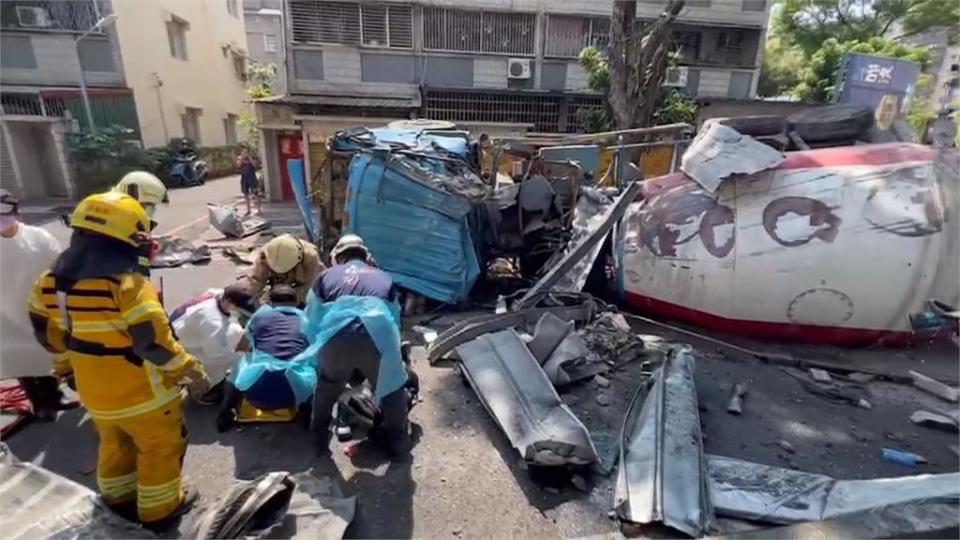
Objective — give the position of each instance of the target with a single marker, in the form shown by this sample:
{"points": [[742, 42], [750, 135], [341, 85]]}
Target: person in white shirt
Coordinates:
{"points": [[25, 253], [208, 327]]}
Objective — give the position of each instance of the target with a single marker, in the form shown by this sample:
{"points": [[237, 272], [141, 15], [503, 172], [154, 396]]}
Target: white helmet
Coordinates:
{"points": [[144, 187], [348, 242], [283, 253]]}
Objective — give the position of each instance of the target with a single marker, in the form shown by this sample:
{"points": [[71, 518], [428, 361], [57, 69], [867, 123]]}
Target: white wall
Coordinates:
{"points": [[206, 80]]}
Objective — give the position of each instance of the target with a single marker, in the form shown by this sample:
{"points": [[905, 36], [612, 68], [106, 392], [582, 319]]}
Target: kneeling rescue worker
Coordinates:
{"points": [[95, 306], [285, 260]]}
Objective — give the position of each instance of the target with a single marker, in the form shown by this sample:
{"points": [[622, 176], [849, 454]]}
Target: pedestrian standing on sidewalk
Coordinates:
{"points": [[248, 179], [25, 253]]}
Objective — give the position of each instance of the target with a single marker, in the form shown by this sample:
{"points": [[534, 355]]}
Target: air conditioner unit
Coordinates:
{"points": [[676, 77], [33, 17], [518, 68]]}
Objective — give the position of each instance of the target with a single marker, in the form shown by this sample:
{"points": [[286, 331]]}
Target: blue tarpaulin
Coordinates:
{"points": [[417, 231]]}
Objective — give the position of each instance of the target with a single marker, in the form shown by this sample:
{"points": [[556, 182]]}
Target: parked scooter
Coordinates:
{"points": [[186, 169]]}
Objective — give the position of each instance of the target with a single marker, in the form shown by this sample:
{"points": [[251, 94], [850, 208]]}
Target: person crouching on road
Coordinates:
{"points": [[208, 327], [285, 260], [353, 314], [149, 191], [278, 370], [128, 367], [25, 253]]}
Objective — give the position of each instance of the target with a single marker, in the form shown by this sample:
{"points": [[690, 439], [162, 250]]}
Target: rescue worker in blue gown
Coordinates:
{"points": [[277, 371], [353, 314]]}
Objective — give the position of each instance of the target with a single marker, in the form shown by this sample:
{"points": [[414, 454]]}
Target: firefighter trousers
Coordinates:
{"points": [[140, 458]]}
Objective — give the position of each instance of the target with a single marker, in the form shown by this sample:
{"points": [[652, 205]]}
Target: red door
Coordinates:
{"points": [[290, 148]]}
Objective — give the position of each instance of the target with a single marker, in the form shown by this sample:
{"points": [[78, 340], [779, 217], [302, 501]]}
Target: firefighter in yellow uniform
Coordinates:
{"points": [[128, 366]]}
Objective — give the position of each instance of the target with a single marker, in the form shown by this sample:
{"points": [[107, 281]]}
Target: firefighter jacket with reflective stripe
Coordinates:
{"points": [[125, 358]]}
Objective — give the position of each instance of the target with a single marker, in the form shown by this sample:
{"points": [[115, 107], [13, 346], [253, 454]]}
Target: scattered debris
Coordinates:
{"points": [[893, 436], [517, 393], [303, 506], [787, 447], [237, 257], [655, 484], [902, 458], [572, 361], [588, 216], [427, 335], [611, 338], [864, 404], [547, 335], [173, 252], [834, 391], [557, 272], [861, 378], [226, 220], [744, 490], [820, 375], [935, 387], [602, 381], [935, 421], [736, 400], [603, 400], [469, 329], [580, 483], [66, 510]]}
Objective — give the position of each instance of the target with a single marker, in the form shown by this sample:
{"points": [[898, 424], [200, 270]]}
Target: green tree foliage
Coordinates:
{"points": [[673, 105], [818, 79], [921, 111], [260, 79], [782, 65], [809, 23]]}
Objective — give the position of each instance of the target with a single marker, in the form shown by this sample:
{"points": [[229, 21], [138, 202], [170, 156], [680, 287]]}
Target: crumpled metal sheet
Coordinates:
{"points": [[469, 329], [547, 335], [662, 477], [419, 233], [572, 361], [37, 503], [741, 489], [175, 252], [581, 248], [226, 220], [588, 216], [719, 151], [517, 393]]}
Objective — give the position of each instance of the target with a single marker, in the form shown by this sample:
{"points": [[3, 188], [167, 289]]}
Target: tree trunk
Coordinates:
{"points": [[637, 62]]}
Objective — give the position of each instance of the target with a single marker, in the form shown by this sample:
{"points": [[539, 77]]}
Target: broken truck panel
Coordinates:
{"points": [[474, 327], [662, 478], [516, 392], [584, 247], [833, 246], [744, 490], [416, 229], [719, 152]]}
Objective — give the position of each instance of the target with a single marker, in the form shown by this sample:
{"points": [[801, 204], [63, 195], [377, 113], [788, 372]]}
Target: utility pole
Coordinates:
{"points": [[83, 80]]}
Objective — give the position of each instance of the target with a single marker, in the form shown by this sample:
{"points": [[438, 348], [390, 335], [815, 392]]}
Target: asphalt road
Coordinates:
{"points": [[464, 479]]}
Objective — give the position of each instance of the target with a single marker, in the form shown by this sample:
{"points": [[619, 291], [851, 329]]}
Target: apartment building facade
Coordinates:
{"points": [[500, 61], [47, 49], [264, 25], [186, 63]]}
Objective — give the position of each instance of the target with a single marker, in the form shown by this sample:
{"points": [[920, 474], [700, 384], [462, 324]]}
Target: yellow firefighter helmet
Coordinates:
{"points": [[283, 253], [111, 214]]}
